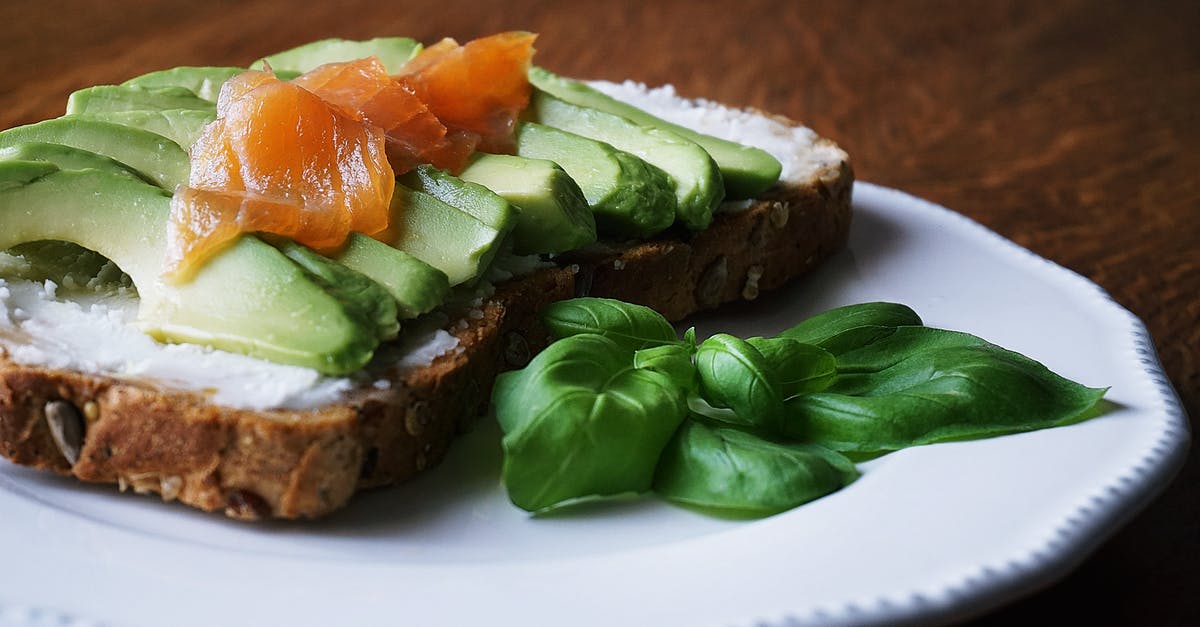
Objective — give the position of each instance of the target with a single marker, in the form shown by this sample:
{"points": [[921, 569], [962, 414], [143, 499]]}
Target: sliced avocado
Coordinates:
{"points": [[182, 126], [442, 236], [553, 215], [15, 174], [73, 267], [629, 197], [68, 158], [153, 156], [104, 98], [393, 52], [370, 301], [416, 286], [747, 171], [485, 205], [204, 82], [249, 298], [698, 185]]}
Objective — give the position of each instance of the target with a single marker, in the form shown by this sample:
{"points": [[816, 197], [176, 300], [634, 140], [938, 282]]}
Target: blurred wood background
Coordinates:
{"points": [[1070, 127]]}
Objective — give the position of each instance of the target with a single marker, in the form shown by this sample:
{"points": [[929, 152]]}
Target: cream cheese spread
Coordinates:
{"points": [[90, 333], [93, 333]]}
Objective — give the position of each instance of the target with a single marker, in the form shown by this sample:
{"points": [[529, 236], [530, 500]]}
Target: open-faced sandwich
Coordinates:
{"points": [[259, 290]]}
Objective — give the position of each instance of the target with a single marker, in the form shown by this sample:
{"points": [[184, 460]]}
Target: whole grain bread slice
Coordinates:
{"points": [[307, 463]]}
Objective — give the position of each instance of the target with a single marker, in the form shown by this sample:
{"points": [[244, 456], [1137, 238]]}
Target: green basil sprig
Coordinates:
{"points": [[825, 325], [580, 420], [735, 375], [919, 385], [632, 326], [846, 328], [740, 474], [672, 360], [797, 368], [756, 422]]}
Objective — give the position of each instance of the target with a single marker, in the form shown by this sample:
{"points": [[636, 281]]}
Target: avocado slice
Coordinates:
{"points": [[747, 171], [480, 202], [105, 98], [393, 52], [203, 81], [153, 156], [698, 184], [72, 267], [16, 174], [553, 215], [441, 235], [629, 197], [182, 126], [416, 286], [371, 302], [249, 298], [68, 158]]}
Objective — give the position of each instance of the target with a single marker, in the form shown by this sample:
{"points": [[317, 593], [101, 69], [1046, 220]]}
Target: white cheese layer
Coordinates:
{"points": [[95, 334]]}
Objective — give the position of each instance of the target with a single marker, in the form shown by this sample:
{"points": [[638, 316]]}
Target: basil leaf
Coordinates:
{"points": [[919, 385], [699, 409], [672, 360], [851, 339], [823, 326], [581, 421], [797, 368], [736, 472], [689, 339], [890, 347], [734, 374], [632, 326]]}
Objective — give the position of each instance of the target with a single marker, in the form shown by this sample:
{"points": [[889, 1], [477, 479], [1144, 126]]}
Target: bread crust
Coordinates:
{"points": [[307, 463]]}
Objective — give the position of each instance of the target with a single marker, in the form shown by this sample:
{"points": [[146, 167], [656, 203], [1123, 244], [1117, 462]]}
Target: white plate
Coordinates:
{"points": [[936, 532]]}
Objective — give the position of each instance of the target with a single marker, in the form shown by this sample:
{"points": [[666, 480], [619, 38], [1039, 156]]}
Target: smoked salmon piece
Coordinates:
{"points": [[315, 159], [480, 87], [278, 159], [363, 89]]}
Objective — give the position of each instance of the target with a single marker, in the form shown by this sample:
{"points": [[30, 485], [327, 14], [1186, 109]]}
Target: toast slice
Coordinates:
{"points": [[285, 463]]}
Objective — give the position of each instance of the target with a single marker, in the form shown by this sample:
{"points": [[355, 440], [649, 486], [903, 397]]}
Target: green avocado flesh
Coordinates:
{"points": [[17, 174], [174, 112], [480, 202], [73, 268], [443, 236], [698, 184], [203, 82], [68, 158], [393, 52], [416, 286], [182, 126], [552, 213], [629, 197], [249, 298], [366, 300], [747, 171], [106, 98], [153, 156]]}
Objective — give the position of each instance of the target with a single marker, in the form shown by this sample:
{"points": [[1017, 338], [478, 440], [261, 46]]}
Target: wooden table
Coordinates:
{"points": [[1070, 127]]}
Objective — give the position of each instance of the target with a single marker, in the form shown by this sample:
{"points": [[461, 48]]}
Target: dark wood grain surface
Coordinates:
{"points": [[1070, 127]]}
